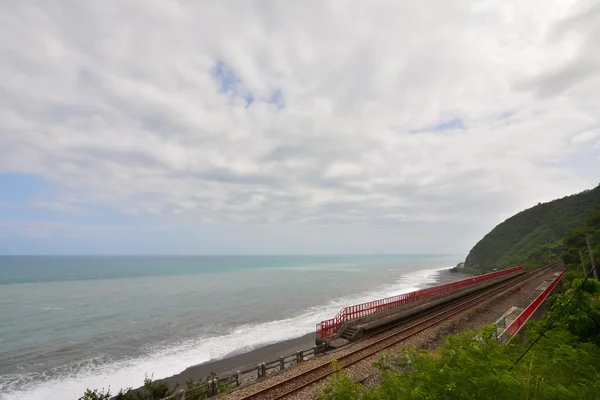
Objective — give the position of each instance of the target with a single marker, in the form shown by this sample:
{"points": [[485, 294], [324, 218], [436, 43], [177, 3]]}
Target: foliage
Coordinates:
{"points": [[96, 395], [583, 317], [574, 242], [227, 388], [152, 390], [342, 388], [157, 390], [535, 236], [196, 394], [473, 365]]}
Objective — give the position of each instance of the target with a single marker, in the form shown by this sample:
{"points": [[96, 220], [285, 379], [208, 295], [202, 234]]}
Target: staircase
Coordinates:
{"points": [[348, 333]]}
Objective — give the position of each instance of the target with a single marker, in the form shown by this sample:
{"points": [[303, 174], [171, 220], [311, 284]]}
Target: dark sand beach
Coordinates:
{"points": [[243, 361]]}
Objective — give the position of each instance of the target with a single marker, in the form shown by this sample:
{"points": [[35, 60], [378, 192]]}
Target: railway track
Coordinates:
{"points": [[381, 341]]}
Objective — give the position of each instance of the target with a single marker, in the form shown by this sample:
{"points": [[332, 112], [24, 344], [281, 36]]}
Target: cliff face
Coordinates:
{"points": [[533, 236]]}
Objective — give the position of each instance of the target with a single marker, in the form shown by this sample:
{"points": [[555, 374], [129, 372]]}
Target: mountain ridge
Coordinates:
{"points": [[533, 236]]}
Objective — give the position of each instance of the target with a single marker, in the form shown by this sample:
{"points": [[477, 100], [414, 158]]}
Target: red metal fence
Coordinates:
{"points": [[520, 321], [328, 328]]}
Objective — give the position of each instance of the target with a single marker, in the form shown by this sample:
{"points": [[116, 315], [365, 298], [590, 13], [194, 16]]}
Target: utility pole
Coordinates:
{"points": [[585, 272], [588, 239]]}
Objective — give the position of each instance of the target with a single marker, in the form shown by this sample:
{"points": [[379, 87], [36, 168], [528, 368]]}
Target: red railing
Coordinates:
{"points": [[328, 328], [520, 321]]}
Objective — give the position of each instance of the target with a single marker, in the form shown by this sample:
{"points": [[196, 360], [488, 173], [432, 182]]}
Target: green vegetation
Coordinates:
{"points": [[151, 390], [538, 235], [197, 394], [564, 363], [574, 241]]}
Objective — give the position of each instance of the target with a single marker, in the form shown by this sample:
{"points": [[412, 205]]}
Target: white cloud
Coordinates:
{"points": [[584, 137], [116, 103], [47, 228], [62, 207]]}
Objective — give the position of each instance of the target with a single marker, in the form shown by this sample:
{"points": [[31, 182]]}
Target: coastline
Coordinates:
{"points": [[242, 361]]}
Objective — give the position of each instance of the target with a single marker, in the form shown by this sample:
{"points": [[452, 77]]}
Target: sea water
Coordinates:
{"points": [[71, 323]]}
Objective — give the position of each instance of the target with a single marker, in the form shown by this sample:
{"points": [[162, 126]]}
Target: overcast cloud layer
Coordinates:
{"points": [[289, 127]]}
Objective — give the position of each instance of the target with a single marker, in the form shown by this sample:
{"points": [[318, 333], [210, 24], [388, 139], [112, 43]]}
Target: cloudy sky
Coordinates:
{"points": [[217, 127]]}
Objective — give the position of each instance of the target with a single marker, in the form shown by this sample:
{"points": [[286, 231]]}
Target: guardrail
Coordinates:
{"points": [[514, 327], [328, 328], [214, 385]]}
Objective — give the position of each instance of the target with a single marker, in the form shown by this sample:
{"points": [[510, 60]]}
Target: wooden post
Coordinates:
{"points": [[238, 379], [181, 394], [299, 357], [281, 363], [262, 370], [210, 388]]}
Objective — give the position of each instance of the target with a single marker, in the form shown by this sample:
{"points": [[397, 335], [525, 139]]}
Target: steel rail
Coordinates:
{"points": [[453, 308]]}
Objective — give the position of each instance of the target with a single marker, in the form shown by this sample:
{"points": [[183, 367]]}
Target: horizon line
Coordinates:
{"points": [[227, 255]]}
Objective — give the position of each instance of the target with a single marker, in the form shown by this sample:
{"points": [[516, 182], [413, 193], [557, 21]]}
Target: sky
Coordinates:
{"points": [[280, 127]]}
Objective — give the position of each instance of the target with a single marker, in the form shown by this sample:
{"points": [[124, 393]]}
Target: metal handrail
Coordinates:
{"points": [[328, 328]]}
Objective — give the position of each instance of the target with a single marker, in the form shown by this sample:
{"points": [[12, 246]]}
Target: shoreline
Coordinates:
{"points": [[243, 361]]}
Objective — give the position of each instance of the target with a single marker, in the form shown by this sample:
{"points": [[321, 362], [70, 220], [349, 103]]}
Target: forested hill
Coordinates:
{"points": [[533, 236]]}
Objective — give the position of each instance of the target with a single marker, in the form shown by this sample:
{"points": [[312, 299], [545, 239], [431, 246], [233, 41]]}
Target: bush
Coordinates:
{"points": [[342, 388], [473, 365], [96, 395], [151, 390]]}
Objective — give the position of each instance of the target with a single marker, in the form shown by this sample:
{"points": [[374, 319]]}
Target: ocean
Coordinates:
{"points": [[71, 323]]}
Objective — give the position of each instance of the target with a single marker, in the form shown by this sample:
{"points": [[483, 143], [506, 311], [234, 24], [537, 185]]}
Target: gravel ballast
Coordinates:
{"points": [[364, 371]]}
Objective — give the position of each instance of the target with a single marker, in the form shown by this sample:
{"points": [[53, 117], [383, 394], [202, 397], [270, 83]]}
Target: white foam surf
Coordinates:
{"points": [[70, 383]]}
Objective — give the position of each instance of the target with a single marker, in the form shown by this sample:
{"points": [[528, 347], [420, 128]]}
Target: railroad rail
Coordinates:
{"points": [[376, 344], [328, 328]]}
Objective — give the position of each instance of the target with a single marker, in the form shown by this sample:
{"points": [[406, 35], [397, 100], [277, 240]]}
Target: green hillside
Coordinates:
{"points": [[533, 236], [574, 243]]}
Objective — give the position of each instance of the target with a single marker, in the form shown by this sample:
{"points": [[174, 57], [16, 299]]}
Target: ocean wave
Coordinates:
{"points": [[69, 382]]}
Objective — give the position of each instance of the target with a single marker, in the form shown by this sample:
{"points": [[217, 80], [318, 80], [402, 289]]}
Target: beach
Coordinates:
{"points": [[244, 361]]}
